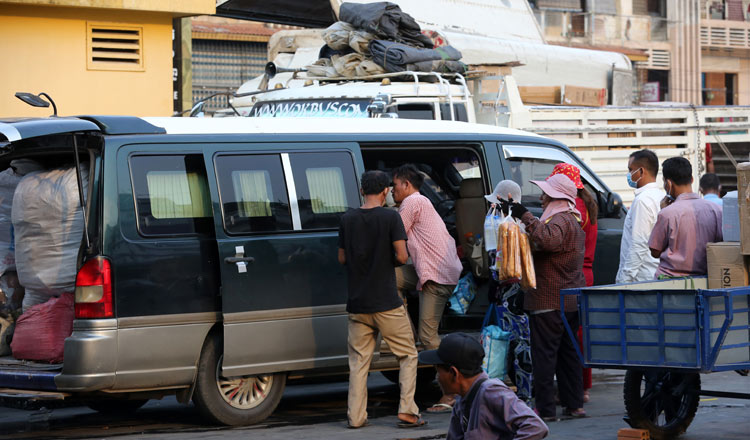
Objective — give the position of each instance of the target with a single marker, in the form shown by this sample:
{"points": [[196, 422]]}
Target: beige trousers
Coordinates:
{"points": [[363, 331], [432, 300]]}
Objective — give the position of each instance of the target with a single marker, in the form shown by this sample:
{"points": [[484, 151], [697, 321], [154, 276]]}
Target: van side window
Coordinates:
{"points": [[253, 193], [524, 169], [326, 187], [171, 194]]}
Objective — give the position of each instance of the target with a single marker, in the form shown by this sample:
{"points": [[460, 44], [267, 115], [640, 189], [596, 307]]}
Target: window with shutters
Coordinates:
{"points": [[560, 5], [114, 47]]}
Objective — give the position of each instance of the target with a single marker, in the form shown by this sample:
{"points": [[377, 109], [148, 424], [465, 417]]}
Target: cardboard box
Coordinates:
{"points": [[727, 267], [584, 96], [743, 200], [540, 94]]}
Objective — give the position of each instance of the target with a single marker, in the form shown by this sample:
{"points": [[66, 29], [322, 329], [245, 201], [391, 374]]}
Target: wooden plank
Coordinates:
{"points": [[630, 433]]}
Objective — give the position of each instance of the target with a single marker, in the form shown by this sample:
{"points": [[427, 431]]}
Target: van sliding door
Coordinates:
{"points": [[283, 291]]}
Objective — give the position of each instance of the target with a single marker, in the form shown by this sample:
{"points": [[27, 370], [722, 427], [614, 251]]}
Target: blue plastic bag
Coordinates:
{"points": [[495, 343], [463, 294]]}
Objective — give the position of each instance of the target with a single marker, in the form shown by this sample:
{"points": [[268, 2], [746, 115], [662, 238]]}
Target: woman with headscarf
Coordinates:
{"points": [[589, 209], [558, 244]]}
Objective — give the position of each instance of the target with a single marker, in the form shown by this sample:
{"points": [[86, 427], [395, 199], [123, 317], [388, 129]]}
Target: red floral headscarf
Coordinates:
{"points": [[571, 171]]}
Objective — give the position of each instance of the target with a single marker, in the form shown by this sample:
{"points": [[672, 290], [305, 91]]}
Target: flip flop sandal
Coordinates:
{"points": [[419, 422], [367, 423], [440, 408]]}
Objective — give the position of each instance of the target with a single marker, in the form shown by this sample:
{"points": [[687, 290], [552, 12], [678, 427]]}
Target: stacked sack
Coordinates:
{"points": [[376, 38], [11, 292], [48, 230]]}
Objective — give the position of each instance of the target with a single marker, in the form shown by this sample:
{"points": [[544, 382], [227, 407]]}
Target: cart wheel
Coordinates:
{"points": [[661, 401]]}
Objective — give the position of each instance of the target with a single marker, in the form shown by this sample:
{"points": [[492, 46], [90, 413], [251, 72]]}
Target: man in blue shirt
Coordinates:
{"points": [[711, 188], [485, 408]]}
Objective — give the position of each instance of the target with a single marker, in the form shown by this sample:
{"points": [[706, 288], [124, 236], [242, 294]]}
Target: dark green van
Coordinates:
{"points": [[208, 267]]}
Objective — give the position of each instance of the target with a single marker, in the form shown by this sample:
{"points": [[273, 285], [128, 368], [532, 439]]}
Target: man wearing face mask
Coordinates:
{"points": [[685, 224], [636, 262]]}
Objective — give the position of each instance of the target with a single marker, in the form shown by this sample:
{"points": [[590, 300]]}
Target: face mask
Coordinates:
{"points": [[633, 183], [668, 190]]}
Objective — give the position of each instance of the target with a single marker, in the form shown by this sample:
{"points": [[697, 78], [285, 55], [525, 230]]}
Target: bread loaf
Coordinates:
{"points": [[529, 274]]}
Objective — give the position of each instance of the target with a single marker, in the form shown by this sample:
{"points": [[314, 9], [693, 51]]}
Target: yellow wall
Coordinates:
{"points": [[43, 49]]}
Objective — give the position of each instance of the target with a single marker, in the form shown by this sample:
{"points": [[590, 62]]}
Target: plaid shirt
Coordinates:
{"points": [[559, 246], [432, 249]]}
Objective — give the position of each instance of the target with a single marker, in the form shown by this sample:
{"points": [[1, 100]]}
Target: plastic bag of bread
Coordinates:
{"points": [[528, 278], [508, 258]]}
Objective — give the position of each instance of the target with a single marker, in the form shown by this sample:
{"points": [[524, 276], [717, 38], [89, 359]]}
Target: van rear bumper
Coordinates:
{"points": [[90, 359]]}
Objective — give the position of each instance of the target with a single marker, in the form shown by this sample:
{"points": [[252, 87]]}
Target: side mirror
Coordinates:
{"points": [[614, 205]]}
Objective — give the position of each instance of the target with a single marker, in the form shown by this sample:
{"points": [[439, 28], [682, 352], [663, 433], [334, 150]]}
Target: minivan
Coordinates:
{"points": [[212, 244]]}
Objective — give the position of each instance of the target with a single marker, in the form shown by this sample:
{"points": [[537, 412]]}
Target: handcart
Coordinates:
{"points": [[665, 334]]}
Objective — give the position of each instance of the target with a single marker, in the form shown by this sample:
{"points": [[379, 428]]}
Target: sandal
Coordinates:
{"points": [[367, 423], [419, 422], [440, 408], [578, 413]]}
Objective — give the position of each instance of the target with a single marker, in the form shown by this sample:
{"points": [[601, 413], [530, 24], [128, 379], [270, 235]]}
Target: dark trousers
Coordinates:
{"points": [[552, 352]]}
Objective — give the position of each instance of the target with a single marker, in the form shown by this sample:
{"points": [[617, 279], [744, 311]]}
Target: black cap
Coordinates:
{"points": [[458, 350]]}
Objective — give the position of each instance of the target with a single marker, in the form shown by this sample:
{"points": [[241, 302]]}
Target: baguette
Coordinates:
{"points": [[529, 274], [515, 251], [502, 254]]}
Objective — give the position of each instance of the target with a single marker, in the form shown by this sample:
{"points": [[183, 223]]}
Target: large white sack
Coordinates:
{"points": [[48, 229], [8, 181]]}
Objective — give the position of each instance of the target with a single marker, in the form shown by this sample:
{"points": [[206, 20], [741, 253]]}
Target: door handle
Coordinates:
{"points": [[234, 260]]}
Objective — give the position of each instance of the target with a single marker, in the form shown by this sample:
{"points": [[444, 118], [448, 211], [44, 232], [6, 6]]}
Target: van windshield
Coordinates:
{"points": [[312, 108]]}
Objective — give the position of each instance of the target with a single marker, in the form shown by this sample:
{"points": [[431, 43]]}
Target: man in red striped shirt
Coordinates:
{"points": [[436, 268]]}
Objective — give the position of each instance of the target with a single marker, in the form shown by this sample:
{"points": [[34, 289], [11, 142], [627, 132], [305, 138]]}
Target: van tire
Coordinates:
{"points": [[211, 401]]}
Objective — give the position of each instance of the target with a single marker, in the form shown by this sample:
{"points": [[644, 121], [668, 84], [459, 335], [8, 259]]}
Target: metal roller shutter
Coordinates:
{"points": [[222, 66]]}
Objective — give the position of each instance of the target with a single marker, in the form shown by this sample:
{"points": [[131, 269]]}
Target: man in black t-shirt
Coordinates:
{"points": [[372, 241]]}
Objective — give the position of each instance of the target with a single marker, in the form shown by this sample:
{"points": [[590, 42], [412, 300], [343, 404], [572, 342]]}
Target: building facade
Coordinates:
{"points": [[695, 51]]}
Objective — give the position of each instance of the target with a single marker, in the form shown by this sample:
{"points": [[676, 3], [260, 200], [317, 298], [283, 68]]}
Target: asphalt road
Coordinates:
{"points": [[318, 411]]}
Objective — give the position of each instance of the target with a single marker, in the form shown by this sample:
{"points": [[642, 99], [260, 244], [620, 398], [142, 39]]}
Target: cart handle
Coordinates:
{"points": [[563, 294]]}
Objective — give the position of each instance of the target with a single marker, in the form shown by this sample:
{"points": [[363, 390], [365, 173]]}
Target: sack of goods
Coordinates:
{"points": [[41, 331], [48, 229], [9, 180]]}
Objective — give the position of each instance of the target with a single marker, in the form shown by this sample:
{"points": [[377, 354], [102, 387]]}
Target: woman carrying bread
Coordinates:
{"points": [[558, 245], [587, 206]]}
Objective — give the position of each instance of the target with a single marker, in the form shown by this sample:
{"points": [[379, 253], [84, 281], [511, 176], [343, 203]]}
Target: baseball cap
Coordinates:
{"points": [[458, 350]]}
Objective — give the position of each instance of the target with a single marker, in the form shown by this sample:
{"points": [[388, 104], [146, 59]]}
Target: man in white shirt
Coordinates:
{"points": [[636, 262]]}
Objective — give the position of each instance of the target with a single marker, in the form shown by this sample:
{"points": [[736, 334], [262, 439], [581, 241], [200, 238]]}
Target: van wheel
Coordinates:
{"points": [[237, 400], [113, 406]]}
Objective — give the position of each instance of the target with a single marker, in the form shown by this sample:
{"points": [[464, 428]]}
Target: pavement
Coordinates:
{"points": [[318, 411]]}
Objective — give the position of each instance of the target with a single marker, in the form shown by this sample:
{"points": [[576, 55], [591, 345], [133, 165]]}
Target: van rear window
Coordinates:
{"points": [[171, 194]]}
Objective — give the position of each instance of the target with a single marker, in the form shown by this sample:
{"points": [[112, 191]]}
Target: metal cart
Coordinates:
{"points": [[665, 334]]}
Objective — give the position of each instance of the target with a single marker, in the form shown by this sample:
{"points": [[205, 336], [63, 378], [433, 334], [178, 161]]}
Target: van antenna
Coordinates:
{"points": [[80, 192]]}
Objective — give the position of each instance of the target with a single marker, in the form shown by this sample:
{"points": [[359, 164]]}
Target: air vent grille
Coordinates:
{"points": [[114, 47]]}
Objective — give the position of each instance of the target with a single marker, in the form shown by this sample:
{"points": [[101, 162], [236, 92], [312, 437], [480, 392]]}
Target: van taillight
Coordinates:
{"points": [[94, 290]]}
